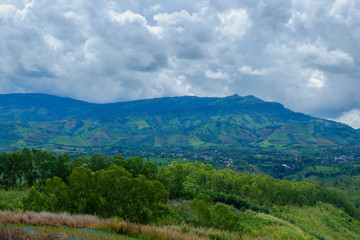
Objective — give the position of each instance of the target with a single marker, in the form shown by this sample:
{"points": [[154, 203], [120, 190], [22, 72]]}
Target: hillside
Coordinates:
{"points": [[50, 122], [137, 199], [322, 222]]}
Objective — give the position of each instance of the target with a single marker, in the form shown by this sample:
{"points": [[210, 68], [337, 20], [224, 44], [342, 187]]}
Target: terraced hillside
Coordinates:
{"points": [[50, 122]]}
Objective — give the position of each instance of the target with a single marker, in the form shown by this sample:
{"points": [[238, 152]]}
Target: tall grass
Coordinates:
{"points": [[49, 219], [95, 223], [151, 232], [258, 226]]}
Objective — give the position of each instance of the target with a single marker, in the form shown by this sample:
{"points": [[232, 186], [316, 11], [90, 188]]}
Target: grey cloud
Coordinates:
{"points": [[302, 53]]}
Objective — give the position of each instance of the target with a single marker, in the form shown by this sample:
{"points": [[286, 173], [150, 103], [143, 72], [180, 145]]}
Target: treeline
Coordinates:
{"points": [[243, 190], [106, 193], [138, 191], [30, 167]]}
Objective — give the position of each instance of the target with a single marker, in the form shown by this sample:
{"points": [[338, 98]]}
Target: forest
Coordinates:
{"points": [[139, 191]]}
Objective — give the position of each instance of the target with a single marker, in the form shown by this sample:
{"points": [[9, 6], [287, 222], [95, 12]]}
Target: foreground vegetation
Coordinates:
{"points": [[180, 201], [322, 221]]}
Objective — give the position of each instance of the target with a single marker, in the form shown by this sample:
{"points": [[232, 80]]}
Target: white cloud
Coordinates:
{"points": [[156, 30], [249, 71], [176, 18], [234, 23], [340, 9], [314, 78], [216, 75], [27, 8], [53, 42], [351, 118], [7, 11], [128, 17], [314, 82], [177, 85]]}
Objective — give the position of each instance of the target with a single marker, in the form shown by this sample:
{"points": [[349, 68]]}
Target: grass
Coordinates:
{"points": [[277, 228], [48, 223], [49, 219], [323, 220], [12, 198], [68, 141], [148, 232], [50, 233], [13, 233], [195, 141], [142, 124], [94, 223], [254, 225], [161, 161]]}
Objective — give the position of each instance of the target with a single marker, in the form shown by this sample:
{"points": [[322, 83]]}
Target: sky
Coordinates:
{"points": [[304, 54]]}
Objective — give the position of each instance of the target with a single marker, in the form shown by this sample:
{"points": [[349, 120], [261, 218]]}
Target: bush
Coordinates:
{"points": [[34, 201]]}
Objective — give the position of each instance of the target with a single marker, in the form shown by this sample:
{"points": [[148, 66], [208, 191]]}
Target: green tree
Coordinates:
{"points": [[97, 162], [201, 206], [61, 167], [149, 170], [81, 190], [56, 195], [111, 187], [29, 170], [223, 217], [34, 201], [173, 178]]}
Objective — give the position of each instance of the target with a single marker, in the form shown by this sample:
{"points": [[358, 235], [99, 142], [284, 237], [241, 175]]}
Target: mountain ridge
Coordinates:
{"points": [[50, 122], [18, 100]]}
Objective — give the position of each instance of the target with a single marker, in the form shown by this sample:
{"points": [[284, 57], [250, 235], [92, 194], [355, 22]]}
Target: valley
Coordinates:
{"points": [[178, 168]]}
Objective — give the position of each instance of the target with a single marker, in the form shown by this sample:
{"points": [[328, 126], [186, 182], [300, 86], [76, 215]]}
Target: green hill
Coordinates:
{"points": [[180, 201], [49, 122]]}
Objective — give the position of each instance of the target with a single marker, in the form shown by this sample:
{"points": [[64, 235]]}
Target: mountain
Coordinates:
{"points": [[42, 107], [49, 122]]}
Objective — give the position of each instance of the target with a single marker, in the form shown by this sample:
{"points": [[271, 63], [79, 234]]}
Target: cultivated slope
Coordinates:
{"points": [[50, 122]]}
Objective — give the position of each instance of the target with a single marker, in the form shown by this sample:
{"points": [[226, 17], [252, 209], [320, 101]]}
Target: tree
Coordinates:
{"points": [[34, 201], [56, 195], [201, 206], [29, 170], [61, 167], [111, 187], [223, 218], [80, 190], [149, 170], [173, 178], [97, 162]]}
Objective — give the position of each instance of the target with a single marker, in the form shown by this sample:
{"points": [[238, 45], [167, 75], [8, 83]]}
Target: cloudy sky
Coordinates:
{"points": [[302, 53]]}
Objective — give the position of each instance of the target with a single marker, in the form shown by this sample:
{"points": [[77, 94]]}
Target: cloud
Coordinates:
{"points": [[128, 17], [7, 11], [302, 53], [249, 71], [216, 75], [314, 78], [351, 118], [234, 23], [319, 55]]}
